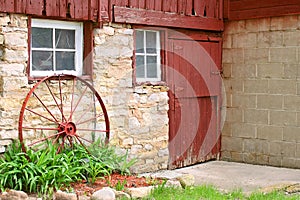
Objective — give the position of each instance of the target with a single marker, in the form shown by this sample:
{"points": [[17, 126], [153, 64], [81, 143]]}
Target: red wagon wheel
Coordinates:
{"points": [[63, 109]]}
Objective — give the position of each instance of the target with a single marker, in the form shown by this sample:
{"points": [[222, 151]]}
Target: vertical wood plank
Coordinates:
{"points": [[71, 8], [166, 7], [158, 5], [150, 4], [34, 7], [189, 7], [134, 3], [211, 8], [49, 8], [199, 6], [9, 5], [142, 4], [174, 6], [62, 8], [88, 48]]}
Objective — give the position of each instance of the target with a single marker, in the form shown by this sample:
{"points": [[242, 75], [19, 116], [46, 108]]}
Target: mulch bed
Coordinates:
{"points": [[126, 181]]}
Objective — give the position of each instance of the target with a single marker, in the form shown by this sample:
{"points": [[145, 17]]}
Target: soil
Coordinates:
{"points": [[114, 180]]}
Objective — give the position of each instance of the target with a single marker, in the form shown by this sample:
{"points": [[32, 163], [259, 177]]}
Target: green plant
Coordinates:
{"points": [[120, 186], [44, 171]]}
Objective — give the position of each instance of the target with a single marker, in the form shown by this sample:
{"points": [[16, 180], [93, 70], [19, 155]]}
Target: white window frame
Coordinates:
{"points": [[145, 54], [56, 24]]}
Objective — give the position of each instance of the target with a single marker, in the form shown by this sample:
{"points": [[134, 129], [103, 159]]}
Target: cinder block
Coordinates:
{"points": [[270, 133], [243, 130], [244, 40], [244, 100], [256, 86], [291, 134], [256, 116], [227, 40], [233, 55], [266, 101], [262, 159], [226, 129], [292, 102], [256, 56], [232, 144], [233, 86], [227, 68], [288, 149], [275, 161], [244, 71], [234, 115], [236, 156], [249, 158], [284, 55], [289, 162], [233, 27], [270, 70], [298, 151], [283, 118], [282, 86], [291, 38], [269, 39], [256, 146], [275, 148], [284, 23], [258, 25], [291, 71]]}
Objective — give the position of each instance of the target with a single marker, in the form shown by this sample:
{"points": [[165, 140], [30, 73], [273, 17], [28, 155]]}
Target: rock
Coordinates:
{"points": [[14, 195], [140, 192], [186, 180], [104, 194], [173, 183], [121, 195], [84, 197], [295, 188], [60, 195]]}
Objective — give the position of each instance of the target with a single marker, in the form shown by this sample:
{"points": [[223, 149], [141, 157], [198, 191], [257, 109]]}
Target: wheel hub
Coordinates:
{"points": [[68, 128]]}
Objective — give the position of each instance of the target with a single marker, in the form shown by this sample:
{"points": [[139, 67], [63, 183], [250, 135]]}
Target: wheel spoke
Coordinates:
{"points": [[77, 103], [45, 107], [54, 98], [72, 98], [46, 138], [77, 136], [88, 120], [41, 115], [61, 100], [86, 129], [40, 128]]}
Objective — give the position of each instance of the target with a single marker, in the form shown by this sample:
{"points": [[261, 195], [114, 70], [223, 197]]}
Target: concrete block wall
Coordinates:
{"points": [[261, 62]]}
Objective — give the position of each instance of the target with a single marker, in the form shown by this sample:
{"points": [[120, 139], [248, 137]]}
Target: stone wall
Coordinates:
{"points": [[261, 61], [13, 80], [138, 114]]}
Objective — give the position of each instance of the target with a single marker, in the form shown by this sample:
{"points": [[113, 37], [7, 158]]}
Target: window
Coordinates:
{"points": [[56, 47], [147, 56]]}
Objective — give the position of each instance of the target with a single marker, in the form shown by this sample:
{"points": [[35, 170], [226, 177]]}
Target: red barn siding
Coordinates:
{"points": [[74, 9], [246, 9]]}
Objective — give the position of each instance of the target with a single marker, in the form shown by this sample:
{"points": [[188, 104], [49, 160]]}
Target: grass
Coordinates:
{"points": [[211, 193]]}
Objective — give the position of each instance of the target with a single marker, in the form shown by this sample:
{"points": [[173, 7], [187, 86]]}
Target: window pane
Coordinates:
{"points": [[151, 67], [140, 71], [151, 42], [65, 60], [41, 37], [42, 60], [64, 39], [140, 41]]}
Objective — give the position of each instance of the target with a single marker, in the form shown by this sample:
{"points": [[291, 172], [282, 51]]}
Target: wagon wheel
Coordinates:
{"points": [[63, 109]]}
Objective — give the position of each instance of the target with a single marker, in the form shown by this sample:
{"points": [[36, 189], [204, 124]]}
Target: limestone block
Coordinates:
{"points": [[163, 152], [4, 20], [2, 149], [256, 86], [127, 141], [14, 69], [243, 71], [186, 180], [256, 55], [244, 40], [244, 100], [127, 31], [108, 30], [148, 147], [18, 20], [15, 40], [13, 56], [140, 192], [1, 39]]}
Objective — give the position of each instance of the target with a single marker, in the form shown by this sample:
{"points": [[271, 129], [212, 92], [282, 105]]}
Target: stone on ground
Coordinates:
{"points": [[14, 195], [186, 180], [104, 194], [140, 192], [60, 195]]}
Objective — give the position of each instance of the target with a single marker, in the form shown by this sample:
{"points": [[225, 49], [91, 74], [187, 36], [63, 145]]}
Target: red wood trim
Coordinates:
{"points": [[88, 48], [225, 9], [29, 45], [158, 5], [254, 4], [155, 18], [264, 12]]}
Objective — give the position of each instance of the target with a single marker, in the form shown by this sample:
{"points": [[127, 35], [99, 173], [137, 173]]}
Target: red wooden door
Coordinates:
{"points": [[195, 85]]}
